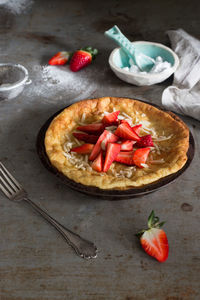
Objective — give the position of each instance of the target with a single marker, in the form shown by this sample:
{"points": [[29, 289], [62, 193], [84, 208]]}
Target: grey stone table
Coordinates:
{"points": [[35, 262]]}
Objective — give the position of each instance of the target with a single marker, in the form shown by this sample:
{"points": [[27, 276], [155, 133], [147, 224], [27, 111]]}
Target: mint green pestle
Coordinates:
{"points": [[144, 62]]}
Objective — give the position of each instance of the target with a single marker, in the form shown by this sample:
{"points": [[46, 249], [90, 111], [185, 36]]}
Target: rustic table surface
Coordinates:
{"points": [[35, 262]]}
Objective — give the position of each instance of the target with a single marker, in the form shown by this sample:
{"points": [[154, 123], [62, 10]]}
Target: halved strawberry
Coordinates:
{"points": [[111, 153], [111, 119], [154, 240], [125, 131], [105, 137], [83, 149], [92, 128], [88, 138], [136, 128], [127, 145], [125, 158], [81, 58], [60, 58], [145, 141], [140, 156], [97, 164]]}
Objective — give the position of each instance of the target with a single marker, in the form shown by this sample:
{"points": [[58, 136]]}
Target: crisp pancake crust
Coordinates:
{"points": [[170, 136]]}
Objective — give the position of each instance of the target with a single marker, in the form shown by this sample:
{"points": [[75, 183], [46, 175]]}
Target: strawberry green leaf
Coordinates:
{"points": [[90, 50]]}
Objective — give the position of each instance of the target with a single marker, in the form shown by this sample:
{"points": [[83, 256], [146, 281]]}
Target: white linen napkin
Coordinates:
{"points": [[183, 96]]}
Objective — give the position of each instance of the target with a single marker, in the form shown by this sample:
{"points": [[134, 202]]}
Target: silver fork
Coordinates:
{"points": [[15, 192]]}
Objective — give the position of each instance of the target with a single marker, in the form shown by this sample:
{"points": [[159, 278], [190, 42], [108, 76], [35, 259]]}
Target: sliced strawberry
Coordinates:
{"points": [[125, 158], [81, 58], [110, 138], [60, 58], [145, 141], [124, 121], [83, 149], [154, 240], [127, 145], [140, 156], [125, 131], [111, 119], [92, 128], [103, 140], [111, 153], [88, 138], [97, 164], [136, 128]]}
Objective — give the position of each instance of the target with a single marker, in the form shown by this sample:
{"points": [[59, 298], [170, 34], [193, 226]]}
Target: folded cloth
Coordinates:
{"points": [[184, 95]]}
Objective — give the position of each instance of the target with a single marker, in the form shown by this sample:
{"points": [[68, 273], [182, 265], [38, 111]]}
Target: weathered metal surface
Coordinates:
{"points": [[35, 263]]}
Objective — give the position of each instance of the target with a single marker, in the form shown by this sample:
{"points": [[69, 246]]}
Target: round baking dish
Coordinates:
{"points": [[109, 194]]}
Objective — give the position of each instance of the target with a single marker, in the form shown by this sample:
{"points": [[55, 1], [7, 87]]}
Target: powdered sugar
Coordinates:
{"points": [[60, 81], [65, 79], [159, 66], [16, 6]]}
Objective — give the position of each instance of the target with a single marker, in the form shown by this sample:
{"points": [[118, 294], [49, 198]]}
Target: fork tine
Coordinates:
{"points": [[7, 182], [6, 186], [9, 176], [5, 191]]}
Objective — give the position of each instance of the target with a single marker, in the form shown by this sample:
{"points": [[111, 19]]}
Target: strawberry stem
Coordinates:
{"points": [[153, 222], [92, 51]]}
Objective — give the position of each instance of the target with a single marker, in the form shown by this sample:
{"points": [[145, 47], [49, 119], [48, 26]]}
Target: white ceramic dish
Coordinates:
{"points": [[13, 78], [118, 60]]}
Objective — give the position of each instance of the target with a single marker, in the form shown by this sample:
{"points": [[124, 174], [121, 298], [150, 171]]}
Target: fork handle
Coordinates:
{"points": [[82, 247]]}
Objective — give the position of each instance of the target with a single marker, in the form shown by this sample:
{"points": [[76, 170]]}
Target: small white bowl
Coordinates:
{"points": [[13, 78], [118, 60]]}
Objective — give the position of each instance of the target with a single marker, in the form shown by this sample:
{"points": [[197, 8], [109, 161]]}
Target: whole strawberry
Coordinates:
{"points": [[154, 240], [81, 58]]}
